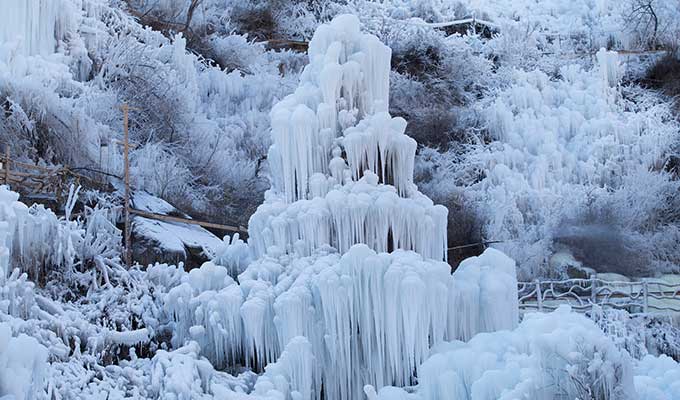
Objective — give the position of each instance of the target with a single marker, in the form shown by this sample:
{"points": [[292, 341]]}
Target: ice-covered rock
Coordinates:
{"points": [[166, 241]]}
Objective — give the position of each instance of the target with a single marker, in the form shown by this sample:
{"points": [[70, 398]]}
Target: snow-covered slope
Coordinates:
{"points": [[560, 148]]}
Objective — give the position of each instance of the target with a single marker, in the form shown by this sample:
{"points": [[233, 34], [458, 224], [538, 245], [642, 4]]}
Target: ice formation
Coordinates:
{"points": [[318, 196], [347, 253], [400, 302], [33, 24], [234, 254], [34, 237], [657, 378], [23, 363], [549, 356], [555, 142]]}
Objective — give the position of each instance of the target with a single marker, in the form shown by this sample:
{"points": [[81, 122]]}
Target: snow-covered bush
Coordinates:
{"points": [[640, 335], [62, 104]]}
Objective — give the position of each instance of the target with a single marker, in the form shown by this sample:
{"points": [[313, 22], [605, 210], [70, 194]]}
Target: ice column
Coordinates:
{"points": [[34, 23], [342, 167]]}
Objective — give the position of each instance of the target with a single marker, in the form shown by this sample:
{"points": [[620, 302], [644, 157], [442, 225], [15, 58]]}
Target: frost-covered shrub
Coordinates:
{"points": [[640, 334], [158, 169], [234, 52], [433, 78], [627, 230], [212, 126], [38, 120], [154, 79], [665, 75], [551, 159]]}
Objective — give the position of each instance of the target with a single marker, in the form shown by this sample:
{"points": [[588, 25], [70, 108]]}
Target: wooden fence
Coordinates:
{"points": [[30, 178]]}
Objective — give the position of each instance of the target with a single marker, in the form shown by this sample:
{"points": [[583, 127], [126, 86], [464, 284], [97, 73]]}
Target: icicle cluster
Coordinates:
{"points": [[348, 254], [342, 167], [233, 254], [34, 237], [610, 68], [368, 317], [358, 212], [30, 23], [549, 356]]}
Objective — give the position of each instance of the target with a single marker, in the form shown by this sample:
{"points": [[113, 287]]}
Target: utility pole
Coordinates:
{"points": [[126, 160]]}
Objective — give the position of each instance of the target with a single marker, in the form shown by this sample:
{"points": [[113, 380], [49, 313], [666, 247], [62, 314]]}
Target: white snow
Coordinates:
{"points": [[176, 237], [657, 378]]}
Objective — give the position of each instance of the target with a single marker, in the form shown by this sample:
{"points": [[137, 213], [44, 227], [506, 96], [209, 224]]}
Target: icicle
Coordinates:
{"points": [[609, 67], [33, 23]]}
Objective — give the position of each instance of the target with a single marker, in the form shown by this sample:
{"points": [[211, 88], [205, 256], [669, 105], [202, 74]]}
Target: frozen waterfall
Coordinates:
{"points": [[342, 167], [348, 256]]}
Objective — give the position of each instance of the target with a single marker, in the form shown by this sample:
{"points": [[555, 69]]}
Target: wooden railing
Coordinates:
{"points": [[38, 179], [170, 218]]}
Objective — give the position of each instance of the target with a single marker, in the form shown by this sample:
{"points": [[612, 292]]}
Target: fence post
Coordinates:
{"points": [[645, 296], [593, 291], [539, 296], [126, 160], [7, 165]]}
